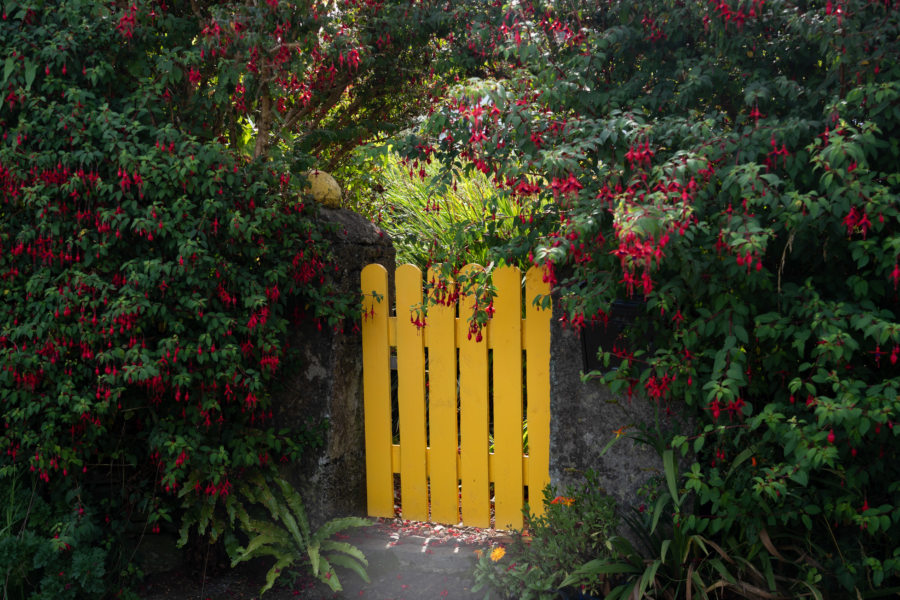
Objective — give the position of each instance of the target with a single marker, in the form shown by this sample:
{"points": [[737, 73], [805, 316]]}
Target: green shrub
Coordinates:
{"points": [[734, 165], [456, 220], [540, 559], [665, 551], [148, 274], [64, 547]]}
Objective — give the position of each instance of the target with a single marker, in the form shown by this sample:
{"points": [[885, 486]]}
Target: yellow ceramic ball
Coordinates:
{"points": [[323, 188]]}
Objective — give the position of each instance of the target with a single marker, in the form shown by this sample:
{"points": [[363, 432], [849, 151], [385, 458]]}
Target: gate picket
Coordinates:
{"points": [[473, 417], [506, 339], [411, 395], [537, 384], [443, 434], [377, 391]]}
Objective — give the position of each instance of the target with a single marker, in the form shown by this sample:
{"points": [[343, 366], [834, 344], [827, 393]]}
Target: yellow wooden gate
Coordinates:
{"points": [[449, 457]]}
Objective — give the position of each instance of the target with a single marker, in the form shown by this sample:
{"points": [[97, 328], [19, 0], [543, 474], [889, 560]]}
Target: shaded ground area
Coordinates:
{"points": [[407, 561]]}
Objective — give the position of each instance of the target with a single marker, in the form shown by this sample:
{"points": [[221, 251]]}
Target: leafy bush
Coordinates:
{"points": [[60, 548], [662, 553], [573, 529], [148, 272], [735, 165]]}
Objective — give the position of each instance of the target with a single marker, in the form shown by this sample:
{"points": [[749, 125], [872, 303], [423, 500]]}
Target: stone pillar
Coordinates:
{"points": [[327, 387], [584, 418]]}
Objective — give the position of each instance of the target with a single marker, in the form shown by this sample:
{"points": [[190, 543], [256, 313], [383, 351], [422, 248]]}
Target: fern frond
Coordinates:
{"points": [[312, 551], [265, 497], [295, 503], [183, 533], [254, 547], [206, 512], [274, 572], [348, 549], [328, 575], [293, 528], [351, 564], [236, 511], [336, 525], [278, 553], [268, 528]]}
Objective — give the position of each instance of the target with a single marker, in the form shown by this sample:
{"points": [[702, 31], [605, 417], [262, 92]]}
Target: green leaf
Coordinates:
{"points": [[345, 548], [312, 551], [337, 525], [801, 476], [742, 457], [351, 564], [699, 442], [8, 68], [599, 566], [671, 473], [30, 71], [328, 576], [253, 546], [274, 573]]}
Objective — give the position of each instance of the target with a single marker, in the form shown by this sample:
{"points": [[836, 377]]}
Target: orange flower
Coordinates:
{"points": [[564, 500], [498, 553], [620, 431]]}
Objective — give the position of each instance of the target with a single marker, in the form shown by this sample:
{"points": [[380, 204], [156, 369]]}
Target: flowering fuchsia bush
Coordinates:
{"points": [[732, 165], [146, 271]]}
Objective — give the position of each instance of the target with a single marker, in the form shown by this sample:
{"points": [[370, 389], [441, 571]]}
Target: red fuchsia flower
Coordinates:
{"points": [[756, 115], [238, 100], [772, 156], [715, 409], [857, 219], [639, 155], [831, 436], [565, 187], [194, 76], [127, 22]]}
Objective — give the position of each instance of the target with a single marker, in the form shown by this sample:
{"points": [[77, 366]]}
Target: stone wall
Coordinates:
{"points": [[584, 419], [327, 388]]}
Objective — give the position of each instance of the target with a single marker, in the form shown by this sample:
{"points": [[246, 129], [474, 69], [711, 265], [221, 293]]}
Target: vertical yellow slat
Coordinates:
{"points": [[377, 392], [473, 409], [411, 394], [506, 339], [537, 381], [442, 410]]}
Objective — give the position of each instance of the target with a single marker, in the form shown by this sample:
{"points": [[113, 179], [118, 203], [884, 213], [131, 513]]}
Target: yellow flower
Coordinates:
{"points": [[498, 553]]}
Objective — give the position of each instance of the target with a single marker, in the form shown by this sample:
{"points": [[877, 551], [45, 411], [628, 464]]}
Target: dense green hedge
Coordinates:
{"points": [[734, 166]]}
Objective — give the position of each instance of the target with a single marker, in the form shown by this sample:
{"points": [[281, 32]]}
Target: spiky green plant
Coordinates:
{"points": [[460, 219], [287, 536]]}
